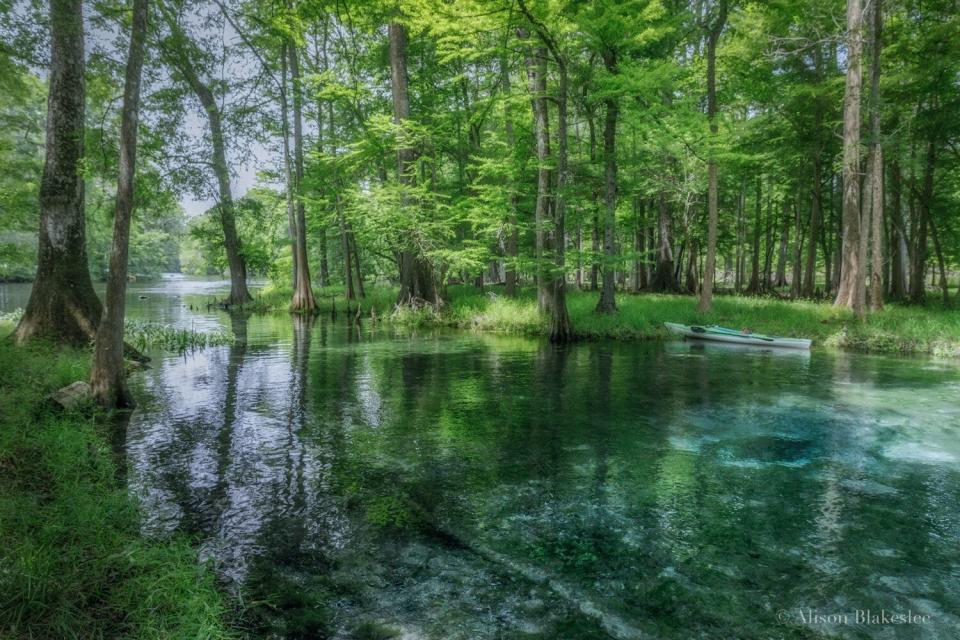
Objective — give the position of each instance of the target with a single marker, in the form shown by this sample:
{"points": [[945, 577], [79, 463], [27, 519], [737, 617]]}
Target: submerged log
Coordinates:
{"points": [[612, 623]]}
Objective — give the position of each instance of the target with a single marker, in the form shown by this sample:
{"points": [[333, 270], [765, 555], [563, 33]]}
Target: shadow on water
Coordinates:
{"points": [[462, 486]]}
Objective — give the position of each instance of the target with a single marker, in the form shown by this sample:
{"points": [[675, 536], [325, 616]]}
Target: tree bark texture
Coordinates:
{"points": [[63, 305], [108, 376]]}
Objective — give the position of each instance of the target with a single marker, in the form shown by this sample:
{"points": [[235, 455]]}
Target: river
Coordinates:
{"points": [[458, 485]]}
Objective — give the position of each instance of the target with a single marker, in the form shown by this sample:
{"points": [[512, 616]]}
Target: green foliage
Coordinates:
{"points": [[261, 222]]}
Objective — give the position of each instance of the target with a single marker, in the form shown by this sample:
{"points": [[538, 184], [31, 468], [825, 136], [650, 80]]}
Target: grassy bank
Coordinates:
{"points": [[897, 329], [72, 562]]}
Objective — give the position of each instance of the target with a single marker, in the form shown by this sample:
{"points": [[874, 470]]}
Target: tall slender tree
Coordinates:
{"points": [[303, 299], [108, 381], [561, 330], [181, 53], [852, 290], [714, 27], [875, 164]]}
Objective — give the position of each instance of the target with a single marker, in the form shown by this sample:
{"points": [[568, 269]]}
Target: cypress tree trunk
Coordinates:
{"points": [[303, 299], [876, 165], [664, 280], [754, 286], [898, 237], [512, 244], [561, 330], [851, 292], [63, 306], [537, 75], [838, 237], [741, 238], [595, 249], [816, 211], [578, 273], [608, 302], [795, 272], [768, 242], [941, 263], [356, 261], [713, 35], [288, 165], [640, 246], [919, 257], [108, 379], [417, 282], [780, 280], [345, 250]]}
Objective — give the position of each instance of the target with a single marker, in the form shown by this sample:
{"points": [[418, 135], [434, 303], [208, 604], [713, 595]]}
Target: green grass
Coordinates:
{"points": [[928, 329], [72, 562]]}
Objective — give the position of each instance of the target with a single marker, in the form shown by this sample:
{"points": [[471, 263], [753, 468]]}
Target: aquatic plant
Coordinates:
{"points": [[156, 335], [152, 335]]}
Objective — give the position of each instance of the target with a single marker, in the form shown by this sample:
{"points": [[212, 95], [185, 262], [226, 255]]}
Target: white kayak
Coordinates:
{"points": [[721, 334]]}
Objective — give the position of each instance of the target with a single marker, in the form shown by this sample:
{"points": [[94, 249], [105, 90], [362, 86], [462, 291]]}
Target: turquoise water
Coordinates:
{"points": [[457, 485]]}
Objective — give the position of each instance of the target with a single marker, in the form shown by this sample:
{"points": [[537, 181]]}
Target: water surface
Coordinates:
{"points": [[456, 485]]}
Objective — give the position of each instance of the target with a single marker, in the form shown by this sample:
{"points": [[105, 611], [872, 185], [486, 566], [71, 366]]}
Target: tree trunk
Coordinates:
{"points": [[537, 75], [816, 211], [63, 306], [595, 251], [795, 272], [578, 277], [838, 238], [561, 330], [322, 239], [780, 280], [851, 292], [692, 273], [108, 376], [754, 287], [356, 261], [741, 238], [303, 299], [512, 243], [919, 257], [417, 283], [876, 165], [713, 35], [288, 166], [640, 246], [768, 241], [231, 242], [663, 280], [345, 250], [608, 301], [940, 263], [898, 237]]}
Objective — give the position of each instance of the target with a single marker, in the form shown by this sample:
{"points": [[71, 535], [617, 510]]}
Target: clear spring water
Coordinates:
{"points": [[453, 485]]}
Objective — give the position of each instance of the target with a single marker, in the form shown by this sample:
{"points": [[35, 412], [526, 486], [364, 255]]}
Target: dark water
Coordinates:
{"points": [[452, 485]]}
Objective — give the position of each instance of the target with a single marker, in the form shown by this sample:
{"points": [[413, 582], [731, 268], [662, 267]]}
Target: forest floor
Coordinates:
{"points": [[906, 329], [72, 562]]}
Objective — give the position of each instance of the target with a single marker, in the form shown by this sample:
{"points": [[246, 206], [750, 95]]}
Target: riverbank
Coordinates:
{"points": [[898, 329], [73, 563]]}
